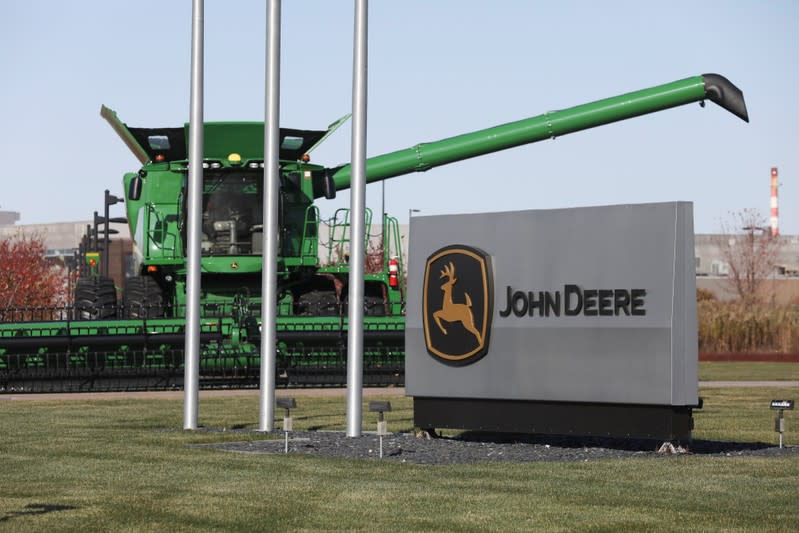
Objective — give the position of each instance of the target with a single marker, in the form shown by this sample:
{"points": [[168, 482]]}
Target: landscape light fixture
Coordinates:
{"points": [[381, 407], [779, 422], [288, 404]]}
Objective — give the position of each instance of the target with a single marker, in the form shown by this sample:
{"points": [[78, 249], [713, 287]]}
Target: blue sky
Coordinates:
{"points": [[436, 69]]}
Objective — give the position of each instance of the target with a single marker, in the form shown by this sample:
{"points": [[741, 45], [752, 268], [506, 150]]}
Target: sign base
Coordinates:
{"points": [[660, 422]]}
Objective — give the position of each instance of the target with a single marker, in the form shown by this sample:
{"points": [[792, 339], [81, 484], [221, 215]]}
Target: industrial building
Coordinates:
{"points": [[712, 270]]}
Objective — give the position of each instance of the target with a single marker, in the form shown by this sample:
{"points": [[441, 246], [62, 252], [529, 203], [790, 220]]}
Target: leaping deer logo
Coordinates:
{"points": [[455, 312], [448, 300]]}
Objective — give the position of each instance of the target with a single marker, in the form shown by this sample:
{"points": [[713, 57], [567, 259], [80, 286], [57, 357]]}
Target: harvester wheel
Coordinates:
{"points": [[143, 298], [95, 298]]}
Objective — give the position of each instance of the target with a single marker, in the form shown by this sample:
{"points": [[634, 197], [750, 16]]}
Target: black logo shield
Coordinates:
{"points": [[457, 304]]}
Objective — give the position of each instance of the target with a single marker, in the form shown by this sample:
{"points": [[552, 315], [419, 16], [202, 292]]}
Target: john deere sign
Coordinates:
{"points": [[570, 320]]}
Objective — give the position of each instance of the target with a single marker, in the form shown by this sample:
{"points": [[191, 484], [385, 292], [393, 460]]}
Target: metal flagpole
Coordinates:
{"points": [[358, 233], [270, 236], [191, 375]]}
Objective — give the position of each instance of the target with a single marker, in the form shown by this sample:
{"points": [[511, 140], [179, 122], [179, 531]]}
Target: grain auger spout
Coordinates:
{"points": [[724, 93], [425, 156]]}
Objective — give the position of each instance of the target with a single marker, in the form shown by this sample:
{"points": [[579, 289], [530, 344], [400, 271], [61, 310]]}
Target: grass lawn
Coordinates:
{"points": [[125, 465], [747, 371]]}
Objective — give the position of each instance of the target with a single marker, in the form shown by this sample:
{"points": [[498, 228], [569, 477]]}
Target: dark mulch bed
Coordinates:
{"points": [[473, 447]]}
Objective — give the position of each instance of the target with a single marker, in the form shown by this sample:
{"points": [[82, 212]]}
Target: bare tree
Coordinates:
{"points": [[750, 251]]}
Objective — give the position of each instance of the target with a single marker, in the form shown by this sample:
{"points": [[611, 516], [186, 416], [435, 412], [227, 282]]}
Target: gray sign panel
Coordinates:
{"points": [[592, 304]]}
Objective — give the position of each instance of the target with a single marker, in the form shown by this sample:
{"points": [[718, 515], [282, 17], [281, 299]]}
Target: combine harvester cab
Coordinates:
{"points": [[137, 342]]}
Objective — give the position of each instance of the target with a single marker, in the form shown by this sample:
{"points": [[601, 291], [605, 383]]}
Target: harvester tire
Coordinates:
{"points": [[95, 298], [143, 298]]}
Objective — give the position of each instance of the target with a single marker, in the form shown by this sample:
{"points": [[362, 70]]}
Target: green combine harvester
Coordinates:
{"points": [[103, 342]]}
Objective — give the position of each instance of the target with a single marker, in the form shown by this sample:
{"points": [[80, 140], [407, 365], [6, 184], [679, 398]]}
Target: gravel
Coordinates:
{"points": [[483, 447]]}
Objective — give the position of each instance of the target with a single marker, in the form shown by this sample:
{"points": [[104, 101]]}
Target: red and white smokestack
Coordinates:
{"points": [[775, 229]]}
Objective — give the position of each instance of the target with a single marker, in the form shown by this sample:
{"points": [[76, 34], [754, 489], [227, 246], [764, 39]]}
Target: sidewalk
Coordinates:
{"points": [[747, 384], [332, 391]]}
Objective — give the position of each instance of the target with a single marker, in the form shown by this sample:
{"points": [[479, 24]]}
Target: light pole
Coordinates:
{"points": [[408, 240], [383, 219], [110, 200]]}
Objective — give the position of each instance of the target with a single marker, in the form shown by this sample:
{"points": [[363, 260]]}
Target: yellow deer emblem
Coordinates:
{"points": [[452, 312]]}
